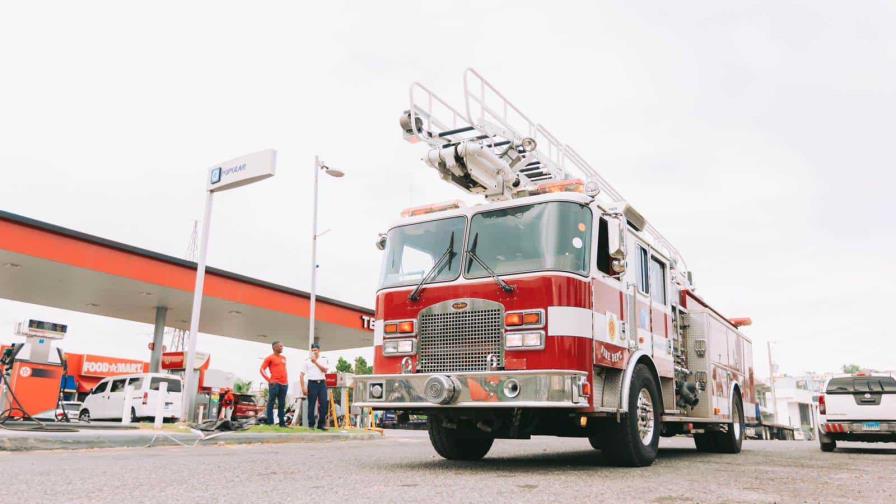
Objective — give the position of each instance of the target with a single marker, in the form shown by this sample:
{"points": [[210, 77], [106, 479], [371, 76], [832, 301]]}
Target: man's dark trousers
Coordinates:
{"points": [[276, 391], [317, 394]]}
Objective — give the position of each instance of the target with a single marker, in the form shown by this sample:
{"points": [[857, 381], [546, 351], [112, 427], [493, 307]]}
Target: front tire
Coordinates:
{"points": [[84, 416], [634, 441], [453, 444]]}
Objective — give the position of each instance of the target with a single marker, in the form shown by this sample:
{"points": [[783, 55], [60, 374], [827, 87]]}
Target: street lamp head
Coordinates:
{"points": [[333, 172]]}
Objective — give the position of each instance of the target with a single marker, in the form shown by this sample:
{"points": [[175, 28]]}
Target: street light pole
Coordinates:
{"points": [[317, 167], [771, 379]]}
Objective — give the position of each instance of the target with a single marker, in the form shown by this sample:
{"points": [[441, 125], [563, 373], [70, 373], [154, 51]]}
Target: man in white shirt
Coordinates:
{"points": [[314, 385]]}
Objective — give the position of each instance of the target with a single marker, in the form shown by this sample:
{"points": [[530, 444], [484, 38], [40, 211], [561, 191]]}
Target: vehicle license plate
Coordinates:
{"points": [[871, 426]]}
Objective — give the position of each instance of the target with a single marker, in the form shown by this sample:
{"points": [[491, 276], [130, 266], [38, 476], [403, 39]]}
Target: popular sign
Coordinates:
{"points": [[241, 171], [178, 360]]}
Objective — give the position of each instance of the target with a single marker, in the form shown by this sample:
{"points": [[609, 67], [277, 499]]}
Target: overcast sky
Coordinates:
{"points": [[757, 137]]}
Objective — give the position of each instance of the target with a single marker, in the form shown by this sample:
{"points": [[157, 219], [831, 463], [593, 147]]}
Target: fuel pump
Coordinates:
{"points": [[32, 373]]}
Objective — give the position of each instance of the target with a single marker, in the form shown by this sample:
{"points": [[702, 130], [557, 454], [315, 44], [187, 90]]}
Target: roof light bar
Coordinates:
{"points": [[435, 207], [573, 185]]}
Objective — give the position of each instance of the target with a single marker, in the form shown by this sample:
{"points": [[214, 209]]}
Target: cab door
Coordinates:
{"points": [[643, 334]]}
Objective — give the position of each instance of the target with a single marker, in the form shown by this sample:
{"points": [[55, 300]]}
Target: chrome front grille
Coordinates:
{"points": [[452, 340]]}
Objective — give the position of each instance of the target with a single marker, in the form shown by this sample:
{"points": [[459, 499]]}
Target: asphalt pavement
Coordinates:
{"points": [[402, 467]]}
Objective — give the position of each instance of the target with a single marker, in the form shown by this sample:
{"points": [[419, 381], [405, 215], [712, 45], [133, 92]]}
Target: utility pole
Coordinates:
{"points": [[771, 379]]}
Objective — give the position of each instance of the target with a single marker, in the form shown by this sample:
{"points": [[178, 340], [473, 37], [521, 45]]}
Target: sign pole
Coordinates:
{"points": [[191, 385], [228, 175]]}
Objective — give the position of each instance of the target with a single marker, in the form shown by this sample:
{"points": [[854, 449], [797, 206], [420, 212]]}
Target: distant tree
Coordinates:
{"points": [[851, 368], [361, 366], [242, 386], [343, 366]]}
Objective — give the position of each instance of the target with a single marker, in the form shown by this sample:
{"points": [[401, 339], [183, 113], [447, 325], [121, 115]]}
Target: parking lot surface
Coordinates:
{"points": [[402, 467]]}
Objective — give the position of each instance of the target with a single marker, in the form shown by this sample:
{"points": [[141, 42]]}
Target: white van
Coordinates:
{"points": [[106, 400]]}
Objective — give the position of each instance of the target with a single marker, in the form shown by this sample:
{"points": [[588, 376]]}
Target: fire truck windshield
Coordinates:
{"points": [[545, 236], [413, 250]]}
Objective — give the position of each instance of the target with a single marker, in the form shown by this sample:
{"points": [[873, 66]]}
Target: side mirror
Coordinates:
{"points": [[616, 241], [381, 242]]}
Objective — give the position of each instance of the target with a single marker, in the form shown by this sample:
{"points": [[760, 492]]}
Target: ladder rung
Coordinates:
{"points": [[456, 131]]}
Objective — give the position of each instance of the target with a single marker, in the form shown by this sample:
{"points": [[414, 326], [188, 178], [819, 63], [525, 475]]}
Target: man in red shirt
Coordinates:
{"points": [[275, 364]]}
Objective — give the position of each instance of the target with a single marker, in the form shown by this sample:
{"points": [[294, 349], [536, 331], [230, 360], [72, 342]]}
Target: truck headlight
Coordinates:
{"points": [[532, 339], [524, 340], [398, 347]]}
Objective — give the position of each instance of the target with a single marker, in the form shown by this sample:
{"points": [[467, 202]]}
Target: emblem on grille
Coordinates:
{"points": [[460, 305]]}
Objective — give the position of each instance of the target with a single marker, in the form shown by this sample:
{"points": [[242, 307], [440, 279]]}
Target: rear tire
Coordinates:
{"points": [[827, 444], [732, 440], [634, 440], [134, 418], [453, 444]]}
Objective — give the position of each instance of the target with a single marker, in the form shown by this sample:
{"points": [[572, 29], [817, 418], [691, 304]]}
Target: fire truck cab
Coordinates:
{"points": [[552, 309]]}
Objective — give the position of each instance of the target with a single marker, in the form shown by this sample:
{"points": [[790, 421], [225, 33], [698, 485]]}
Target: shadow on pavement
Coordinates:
{"points": [[538, 461], [869, 451]]}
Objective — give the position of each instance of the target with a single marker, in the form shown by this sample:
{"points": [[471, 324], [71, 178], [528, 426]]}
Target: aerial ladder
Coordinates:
{"points": [[493, 149]]}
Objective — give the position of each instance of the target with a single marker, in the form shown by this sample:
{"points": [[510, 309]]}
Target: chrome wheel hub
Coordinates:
{"points": [[645, 417]]}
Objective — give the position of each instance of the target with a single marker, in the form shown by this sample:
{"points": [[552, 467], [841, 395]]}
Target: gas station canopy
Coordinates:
{"points": [[48, 265]]}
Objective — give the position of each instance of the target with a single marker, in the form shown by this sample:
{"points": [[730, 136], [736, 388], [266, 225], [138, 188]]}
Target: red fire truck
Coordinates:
{"points": [[554, 308]]}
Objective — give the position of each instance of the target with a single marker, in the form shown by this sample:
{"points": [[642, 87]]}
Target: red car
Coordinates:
{"points": [[246, 408]]}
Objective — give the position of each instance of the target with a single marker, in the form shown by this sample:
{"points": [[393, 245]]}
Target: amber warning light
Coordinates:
{"points": [[517, 319], [435, 207], [399, 327]]}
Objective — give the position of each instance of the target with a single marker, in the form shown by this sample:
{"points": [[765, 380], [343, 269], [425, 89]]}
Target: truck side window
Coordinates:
{"points": [[644, 278], [658, 280], [100, 388], [603, 248]]}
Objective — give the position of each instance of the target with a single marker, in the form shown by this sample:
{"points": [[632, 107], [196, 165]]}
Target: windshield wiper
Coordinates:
{"points": [[436, 268], [472, 253]]}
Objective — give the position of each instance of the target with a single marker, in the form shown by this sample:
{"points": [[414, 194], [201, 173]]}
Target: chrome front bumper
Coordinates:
{"points": [[490, 389]]}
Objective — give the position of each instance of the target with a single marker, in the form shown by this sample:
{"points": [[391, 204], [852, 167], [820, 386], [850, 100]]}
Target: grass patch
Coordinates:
{"points": [[301, 430], [282, 430]]}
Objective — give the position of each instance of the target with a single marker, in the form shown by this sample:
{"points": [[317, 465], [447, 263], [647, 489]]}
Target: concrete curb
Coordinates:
{"points": [[30, 441]]}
